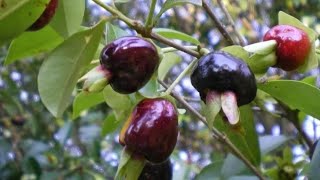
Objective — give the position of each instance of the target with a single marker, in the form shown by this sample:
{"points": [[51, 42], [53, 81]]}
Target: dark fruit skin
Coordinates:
{"points": [[18, 120], [151, 130], [131, 61], [293, 46], [45, 17], [161, 171], [221, 72]]}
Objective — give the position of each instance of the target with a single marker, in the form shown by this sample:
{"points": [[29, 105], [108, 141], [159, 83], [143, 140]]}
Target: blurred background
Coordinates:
{"points": [[34, 144]]}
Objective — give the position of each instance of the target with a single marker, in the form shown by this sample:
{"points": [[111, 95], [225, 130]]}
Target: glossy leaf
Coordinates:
{"points": [[172, 3], [59, 73], [32, 43], [232, 166], [211, 171], [315, 164], [68, 17], [269, 143], [237, 51], [113, 32], [242, 136], [84, 101], [168, 61], [262, 48], [150, 90], [26, 12], [296, 94], [173, 34]]}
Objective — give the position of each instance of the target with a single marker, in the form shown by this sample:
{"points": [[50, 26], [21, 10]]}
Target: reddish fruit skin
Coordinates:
{"points": [[131, 61], [293, 46], [152, 130], [161, 171], [45, 17]]}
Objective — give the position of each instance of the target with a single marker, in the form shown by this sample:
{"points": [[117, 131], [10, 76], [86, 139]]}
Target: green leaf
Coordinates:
{"points": [[120, 103], [315, 164], [59, 73], [171, 3], [4, 150], [310, 80], [262, 48], [269, 143], [113, 32], [296, 94], [173, 34], [168, 61], [237, 51], [311, 61], [110, 124], [68, 17], [232, 166], [244, 178], [32, 43], [84, 101], [244, 136], [150, 90], [211, 171], [26, 12]]}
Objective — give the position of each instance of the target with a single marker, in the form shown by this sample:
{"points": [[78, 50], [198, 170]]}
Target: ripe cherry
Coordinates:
{"points": [[151, 130], [45, 17], [222, 72], [131, 62], [293, 46]]}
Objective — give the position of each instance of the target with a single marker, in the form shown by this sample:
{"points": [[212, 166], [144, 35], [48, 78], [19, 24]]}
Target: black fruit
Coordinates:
{"points": [[161, 171], [45, 17], [221, 72], [131, 61], [151, 130]]}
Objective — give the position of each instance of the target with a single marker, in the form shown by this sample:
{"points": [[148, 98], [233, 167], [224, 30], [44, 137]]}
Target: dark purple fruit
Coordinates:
{"points": [[45, 17], [18, 120], [293, 46], [221, 72], [131, 61], [161, 171], [151, 130]]}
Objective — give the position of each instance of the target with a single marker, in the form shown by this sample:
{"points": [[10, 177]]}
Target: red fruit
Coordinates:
{"points": [[131, 62], [45, 17], [151, 130], [293, 46]]}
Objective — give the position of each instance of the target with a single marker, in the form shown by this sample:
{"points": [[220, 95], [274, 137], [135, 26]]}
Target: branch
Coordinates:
{"points": [[216, 133], [229, 18], [216, 21]]}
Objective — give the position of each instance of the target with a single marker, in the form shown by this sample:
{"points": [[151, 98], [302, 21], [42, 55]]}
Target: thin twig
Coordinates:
{"points": [[231, 22], [216, 21], [216, 133]]}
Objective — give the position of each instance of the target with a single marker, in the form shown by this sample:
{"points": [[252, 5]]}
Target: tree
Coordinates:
{"points": [[51, 139]]}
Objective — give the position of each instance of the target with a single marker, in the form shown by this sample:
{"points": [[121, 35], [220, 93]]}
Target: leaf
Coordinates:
{"points": [[296, 94], [232, 166], [311, 61], [244, 178], [243, 137], [171, 3], [237, 51], [168, 61], [26, 12], [84, 101], [110, 124], [269, 143], [32, 43], [262, 48], [211, 171], [68, 17], [113, 32], [150, 90], [4, 150], [173, 34], [59, 73], [315, 164]]}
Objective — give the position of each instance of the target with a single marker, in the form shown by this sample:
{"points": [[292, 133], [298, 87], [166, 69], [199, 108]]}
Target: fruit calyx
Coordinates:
{"points": [[151, 130], [132, 61], [293, 46], [45, 17]]}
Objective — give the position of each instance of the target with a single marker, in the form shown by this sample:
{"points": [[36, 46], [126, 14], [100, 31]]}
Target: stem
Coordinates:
{"points": [[216, 133], [220, 27], [171, 49], [181, 75], [229, 18], [115, 12], [149, 24]]}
